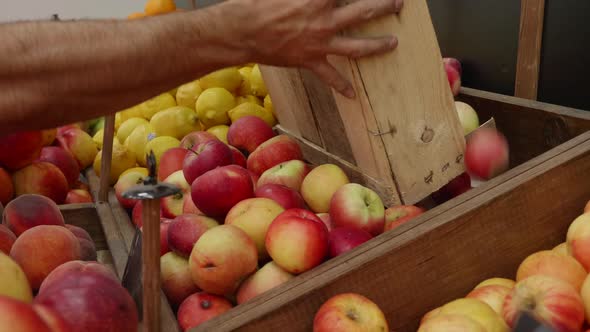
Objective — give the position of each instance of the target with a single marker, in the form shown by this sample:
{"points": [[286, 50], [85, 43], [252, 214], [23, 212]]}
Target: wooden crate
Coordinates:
{"points": [[442, 254]]}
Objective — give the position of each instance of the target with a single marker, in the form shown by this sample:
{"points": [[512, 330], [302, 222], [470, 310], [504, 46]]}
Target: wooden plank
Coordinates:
{"points": [[85, 216], [107, 156], [126, 227], [440, 255], [532, 15]]}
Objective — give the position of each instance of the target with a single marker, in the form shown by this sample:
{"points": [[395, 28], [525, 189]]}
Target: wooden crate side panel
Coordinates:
{"points": [[85, 216]]}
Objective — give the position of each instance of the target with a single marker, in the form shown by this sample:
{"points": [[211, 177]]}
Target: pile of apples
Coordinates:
{"points": [[552, 284], [49, 278]]}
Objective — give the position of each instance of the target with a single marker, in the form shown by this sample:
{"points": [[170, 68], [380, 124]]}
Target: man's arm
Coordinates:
{"points": [[52, 73]]}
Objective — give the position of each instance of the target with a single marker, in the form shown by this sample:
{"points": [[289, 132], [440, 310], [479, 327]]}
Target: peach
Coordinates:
{"points": [[552, 264], [80, 145], [273, 152], [13, 281], [265, 279], [222, 258], [55, 322], [171, 161], [349, 312], [189, 207], [63, 160], [41, 178], [356, 206], [578, 240], [456, 323], [172, 206], [7, 239], [177, 282], [320, 184], [6, 187], [497, 281], [20, 149], [199, 308], [48, 136], [493, 295], [289, 173], [344, 239], [126, 182], [248, 133], [87, 246], [77, 268], [286, 197], [76, 196], [477, 310], [399, 215], [239, 158], [18, 316], [28, 211], [205, 157], [41, 249], [254, 216], [185, 230], [195, 138], [486, 154]]}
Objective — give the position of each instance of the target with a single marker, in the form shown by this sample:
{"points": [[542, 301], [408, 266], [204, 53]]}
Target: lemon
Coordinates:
{"points": [[246, 109], [99, 137], [118, 121], [122, 160], [128, 126], [159, 103], [257, 83], [212, 106], [160, 145], [245, 89], [158, 7], [227, 78], [268, 105], [173, 91], [137, 141], [248, 98], [141, 170], [177, 122], [220, 132], [131, 112], [188, 94]]}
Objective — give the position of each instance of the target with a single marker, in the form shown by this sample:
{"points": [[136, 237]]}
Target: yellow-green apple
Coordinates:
{"points": [[561, 249], [205, 157], [49, 136], [172, 205], [239, 158], [124, 183], [297, 243], [269, 276], [492, 295], [399, 215], [587, 207], [75, 196], [429, 315], [486, 154], [185, 230], [273, 152], [554, 301], [18, 316], [177, 282], [254, 216], [454, 78], [357, 206], [171, 161], [476, 310], [7, 239], [218, 190], [41, 178], [346, 238], [28, 211], [248, 133], [320, 184], [195, 138], [136, 214], [189, 207], [222, 258], [13, 281], [87, 246], [467, 116], [52, 318], [79, 268], [455, 323], [6, 187], [20, 149], [349, 312], [325, 218], [585, 293], [497, 281], [578, 240], [289, 173], [286, 197], [199, 308], [80, 145], [552, 264], [63, 160]]}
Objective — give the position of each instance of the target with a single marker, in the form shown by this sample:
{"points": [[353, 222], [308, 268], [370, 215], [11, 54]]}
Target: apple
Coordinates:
{"points": [[195, 138], [205, 157], [454, 78], [325, 218], [273, 152], [41, 178], [222, 258], [399, 215], [52, 318], [476, 310], [13, 280], [497, 281], [344, 239], [124, 183], [552, 264], [454, 63], [295, 243], [75, 196], [456, 323], [81, 185], [587, 207], [286, 197], [578, 240], [493, 295], [467, 116], [80, 145], [185, 230], [429, 315], [248, 133], [289, 173], [254, 178], [349, 312], [6, 187], [320, 184], [171, 161], [268, 277], [20, 149], [254, 216], [61, 130], [172, 206], [561, 249], [28, 211], [7, 239], [18, 316], [486, 154], [87, 246], [300, 213], [63, 160], [189, 207], [356, 206], [49, 136], [239, 158], [585, 293], [199, 308], [218, 190], [555, 301], [177, 282]]}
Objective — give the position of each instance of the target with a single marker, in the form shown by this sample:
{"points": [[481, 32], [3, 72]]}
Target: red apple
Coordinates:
{"points": [[249, 132], [486, 154], [63, 160], [170, 162], [343, 239], [185, 230], [125, 182], [80, 145], [18, 316], [41, 178], [199, 308], [78, 196], [357, 206], [493, 295], [7, 239], [454, 78], [273, 152], [474, 309], [20, 149], [189, 207], [286, 197], [239, 158], [172, 206], [263, 280], [398, 215], [87, 246], [349, 312], [205, 157], [218, 190], [289, 173], [6, 187], [177, 282], [325, 217], [28, 211], [454, 63], [195, 138]]}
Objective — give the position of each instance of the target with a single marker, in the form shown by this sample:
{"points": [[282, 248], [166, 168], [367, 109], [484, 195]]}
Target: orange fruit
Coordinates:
{"points": [[157, 7]]}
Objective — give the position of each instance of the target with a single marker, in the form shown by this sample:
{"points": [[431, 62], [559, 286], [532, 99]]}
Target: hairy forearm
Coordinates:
{"points": [[53, 73]]}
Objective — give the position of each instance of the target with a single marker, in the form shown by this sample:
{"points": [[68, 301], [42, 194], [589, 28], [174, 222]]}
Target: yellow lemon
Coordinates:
{"points": [[158, 7], [220, 132], [248, 98], [128, 126], [177, 122], [99, 137], [268, 105], [118, 120], [246, 109], [227, 78], [160, 145], [13, 281], [257, 83], [122, 160], [131, 112], [137, 141], [245, 89], [159, 103], [212, 106], [141, 170], [188, 94]]}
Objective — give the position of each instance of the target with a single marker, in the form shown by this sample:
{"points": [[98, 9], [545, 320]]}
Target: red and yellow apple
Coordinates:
{"points": [[284, 196], [164, 226], [49, 136], [492, 295], [124, 183], [193, 139], [343, 239], [585, 293], [172, 206], [497, 281], [19, 316], [325, 218], [399, 215], [205, 157], [199, 308], [455, 323], [76, 196], [189, 207], [486, 154], [248, 133], [177, 282], [185, 230], [578, 240], [239, 158], [273, 152], [357, 206], [63, 160], [6, 187], [13, 280], [52, 318], [474, 309], [349, 312], [80, 145], [269, 276], [561, 249], [552, 264], [170, 162], [41, 178], [20, 149], [28, 211], [289, 173], [320, 184]]}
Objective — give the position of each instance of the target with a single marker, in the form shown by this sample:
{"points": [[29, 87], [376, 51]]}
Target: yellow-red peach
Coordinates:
{"points": [[28, 211], [19, 316], [7, 239], [41, 178]]}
